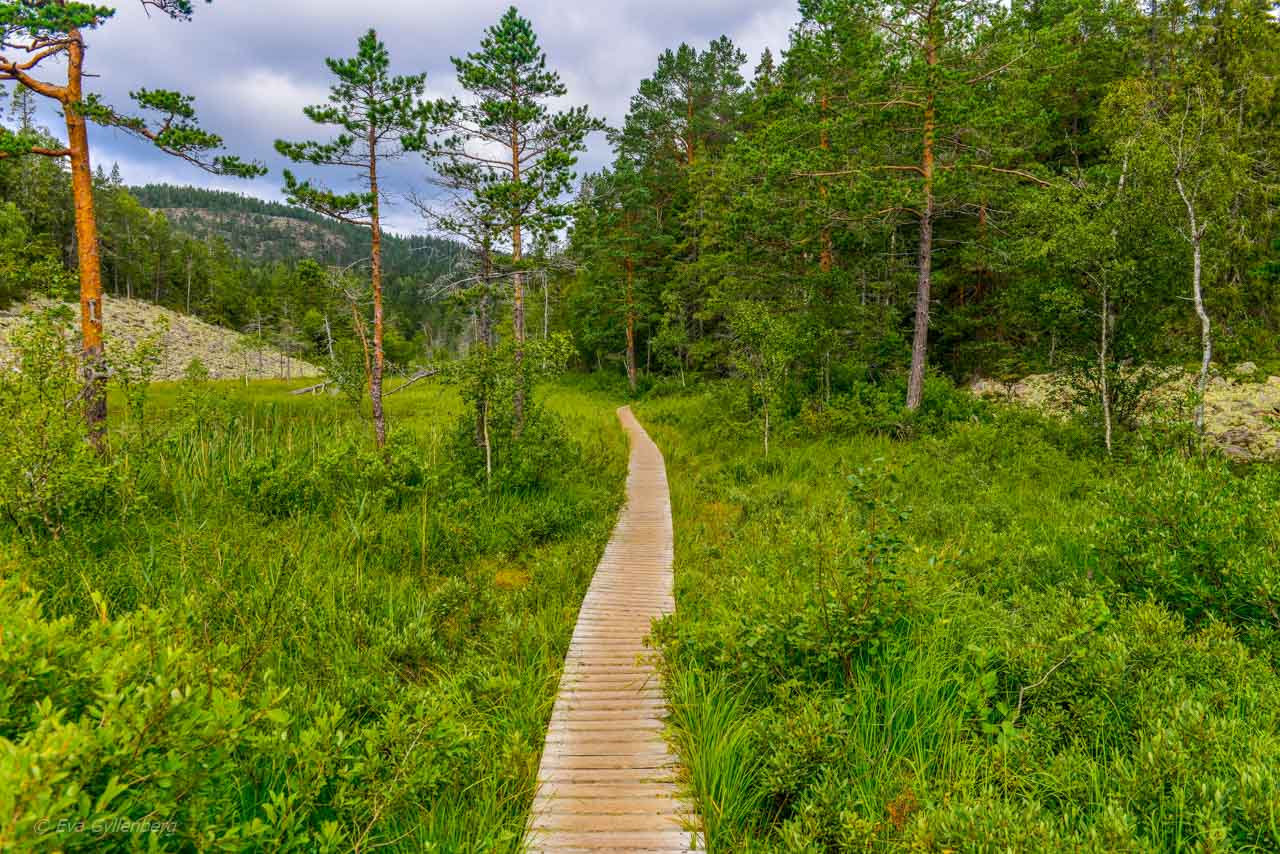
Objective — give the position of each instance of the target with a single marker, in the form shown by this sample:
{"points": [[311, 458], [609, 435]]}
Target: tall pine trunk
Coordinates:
{"points": [[92, 349], [517, 306], [487, 342], [375, 231], [631, 325]]}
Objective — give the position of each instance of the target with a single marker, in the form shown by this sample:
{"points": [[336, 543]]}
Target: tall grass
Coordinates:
{"points": [[407, 620], [715, 738]]}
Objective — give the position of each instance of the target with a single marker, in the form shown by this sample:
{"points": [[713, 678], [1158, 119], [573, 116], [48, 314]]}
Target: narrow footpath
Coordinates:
{"points": [[607, 781]]}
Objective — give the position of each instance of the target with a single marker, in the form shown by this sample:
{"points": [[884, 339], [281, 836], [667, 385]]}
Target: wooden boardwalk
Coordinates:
{"points": [[608, 780]]}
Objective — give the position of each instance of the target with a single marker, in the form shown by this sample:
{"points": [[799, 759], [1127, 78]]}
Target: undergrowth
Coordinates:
{"points": [[966, 630], [272, 637]]}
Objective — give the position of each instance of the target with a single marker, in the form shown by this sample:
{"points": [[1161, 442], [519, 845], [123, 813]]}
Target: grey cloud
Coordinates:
{"points": [[252, 65]]}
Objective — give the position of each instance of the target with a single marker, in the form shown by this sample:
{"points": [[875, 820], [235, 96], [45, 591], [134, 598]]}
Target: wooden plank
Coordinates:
{"points": [[608, 779], [619, 840]]}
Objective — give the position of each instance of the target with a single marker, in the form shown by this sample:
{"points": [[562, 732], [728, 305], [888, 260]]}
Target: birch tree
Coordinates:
{"points": [[1198, 176], [1090, 291]]}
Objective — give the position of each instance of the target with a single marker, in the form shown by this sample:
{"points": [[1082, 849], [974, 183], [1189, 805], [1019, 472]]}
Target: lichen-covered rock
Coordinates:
{"points": [[1246, 369], [226, 354], [1242, 418]]}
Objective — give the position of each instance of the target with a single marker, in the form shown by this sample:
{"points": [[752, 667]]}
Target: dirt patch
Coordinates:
{"points": [[510, 579]]}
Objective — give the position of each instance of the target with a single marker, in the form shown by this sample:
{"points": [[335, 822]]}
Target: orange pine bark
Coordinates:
{"points": [[92, 347]]}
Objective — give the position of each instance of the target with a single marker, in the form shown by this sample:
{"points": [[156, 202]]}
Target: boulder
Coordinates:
{"points": [[1246, 369], [1241, 418]]}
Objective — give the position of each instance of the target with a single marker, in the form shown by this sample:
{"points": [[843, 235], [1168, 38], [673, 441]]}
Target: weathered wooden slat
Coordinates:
{"points": [[608, 780]]}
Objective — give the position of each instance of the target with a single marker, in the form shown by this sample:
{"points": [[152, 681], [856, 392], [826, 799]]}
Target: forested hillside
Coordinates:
{"points": [[273, 232], [256, 267]]}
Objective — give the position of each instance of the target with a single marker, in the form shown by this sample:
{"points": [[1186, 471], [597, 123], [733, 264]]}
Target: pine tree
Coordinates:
{"points": [[37, 34], [508, 110], [945, 59], [379, 117], [615, 211]]}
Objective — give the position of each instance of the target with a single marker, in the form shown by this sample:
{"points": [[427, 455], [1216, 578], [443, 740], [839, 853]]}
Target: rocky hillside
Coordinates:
{"points": [[267, 232], [260, 236], [226, 354], [1242, 410]]}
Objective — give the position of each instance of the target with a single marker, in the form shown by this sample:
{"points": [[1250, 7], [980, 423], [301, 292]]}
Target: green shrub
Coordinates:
{"points": [[282, 484], [1200, 538], [372, 641], [122, 720], [1067, 653], [827, 597], [520, 463], [51, 476], [879, 408]]}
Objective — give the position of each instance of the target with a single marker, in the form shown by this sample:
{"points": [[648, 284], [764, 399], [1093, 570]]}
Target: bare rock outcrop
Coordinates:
{"points": [[226, 354]]}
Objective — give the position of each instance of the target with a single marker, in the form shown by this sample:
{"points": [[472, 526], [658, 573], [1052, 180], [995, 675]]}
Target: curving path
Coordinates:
{"points": [[607, 781]]}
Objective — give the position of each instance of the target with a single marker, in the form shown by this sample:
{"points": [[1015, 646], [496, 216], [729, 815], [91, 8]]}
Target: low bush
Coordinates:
{"points": [[52, 477], [1200, 538], [1058, 653]]}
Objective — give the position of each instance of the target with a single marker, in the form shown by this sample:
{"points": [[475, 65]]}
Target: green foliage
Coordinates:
{"points": [[765, 348], [1062, 136], [300, 644], [377, 116], [195, 373], [486, 439], [179, 134], [346, 370], [278, 485], [982, 640], [52, 476], [43, 29], [51, 19], [130, 720], [510, 88], [1199, 538], [28, 265]]}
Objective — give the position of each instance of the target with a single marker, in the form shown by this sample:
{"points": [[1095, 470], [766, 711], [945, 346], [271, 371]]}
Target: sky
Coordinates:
{"points": [[253, 64]]}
